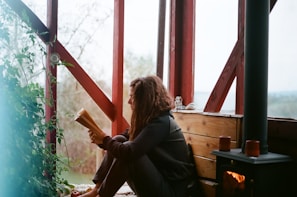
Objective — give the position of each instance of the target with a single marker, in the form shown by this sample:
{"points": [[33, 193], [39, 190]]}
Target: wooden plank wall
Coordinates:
{"points": [[282, 136], [202, 131]]}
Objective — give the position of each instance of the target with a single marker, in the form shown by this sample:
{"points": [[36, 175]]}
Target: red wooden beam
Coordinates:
{"points": [[239, 86], [240, 67], [118, 49], [87, 83], [181, 65], [225, 80], [188, 52], [51, 72], [77, 71], [234, 67], [34, 22], [174, 58]]}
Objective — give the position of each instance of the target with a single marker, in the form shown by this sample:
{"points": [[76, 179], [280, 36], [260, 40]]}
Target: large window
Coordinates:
{"points": [[216, 34]]}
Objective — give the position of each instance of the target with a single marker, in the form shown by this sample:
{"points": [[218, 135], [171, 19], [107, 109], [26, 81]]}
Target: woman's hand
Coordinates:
{"points": [[96, 138]]}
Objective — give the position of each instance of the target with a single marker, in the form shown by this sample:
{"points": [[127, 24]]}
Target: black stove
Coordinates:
{"points": [[240, 175]]}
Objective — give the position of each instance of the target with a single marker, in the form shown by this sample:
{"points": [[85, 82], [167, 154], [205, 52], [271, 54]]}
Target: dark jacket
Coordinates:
{"points": [[163, 142]]}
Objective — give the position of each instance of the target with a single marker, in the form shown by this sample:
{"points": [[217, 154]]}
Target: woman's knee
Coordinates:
{"points": [[120, 138]]}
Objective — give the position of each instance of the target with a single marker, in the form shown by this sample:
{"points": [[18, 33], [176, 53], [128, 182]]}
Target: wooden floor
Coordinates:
{"points": [[124, 191]]}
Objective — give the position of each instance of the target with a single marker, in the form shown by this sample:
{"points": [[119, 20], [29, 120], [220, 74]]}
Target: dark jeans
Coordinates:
{"points": [[140, 174]]}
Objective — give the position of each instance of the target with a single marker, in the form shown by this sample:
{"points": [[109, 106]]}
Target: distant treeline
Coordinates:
{"points": [[280, 104]]}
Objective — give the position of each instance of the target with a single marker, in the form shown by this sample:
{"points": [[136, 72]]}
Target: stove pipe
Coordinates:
{"points": [[256, 73]]}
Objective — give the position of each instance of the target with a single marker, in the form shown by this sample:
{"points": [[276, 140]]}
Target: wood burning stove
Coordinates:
{"points": [[269, 173], [240, 175]]}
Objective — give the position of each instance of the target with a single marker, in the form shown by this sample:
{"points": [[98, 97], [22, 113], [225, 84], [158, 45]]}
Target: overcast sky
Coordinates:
{"points": [[216, 30], [216, 33]]}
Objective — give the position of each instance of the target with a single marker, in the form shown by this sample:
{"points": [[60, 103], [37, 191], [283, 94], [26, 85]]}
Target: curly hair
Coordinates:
{"points": [[150, 100]]}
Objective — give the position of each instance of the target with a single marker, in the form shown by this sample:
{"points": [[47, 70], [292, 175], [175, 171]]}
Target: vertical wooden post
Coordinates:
{"points": [[51, 73], [240, 64], [182, 42], [117, 79]]}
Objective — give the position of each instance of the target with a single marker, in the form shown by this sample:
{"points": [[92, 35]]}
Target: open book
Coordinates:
{"points": [[84, 118]]}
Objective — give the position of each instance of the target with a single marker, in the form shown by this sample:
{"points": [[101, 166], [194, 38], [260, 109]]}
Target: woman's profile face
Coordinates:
{"points": [[131, 98]]}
